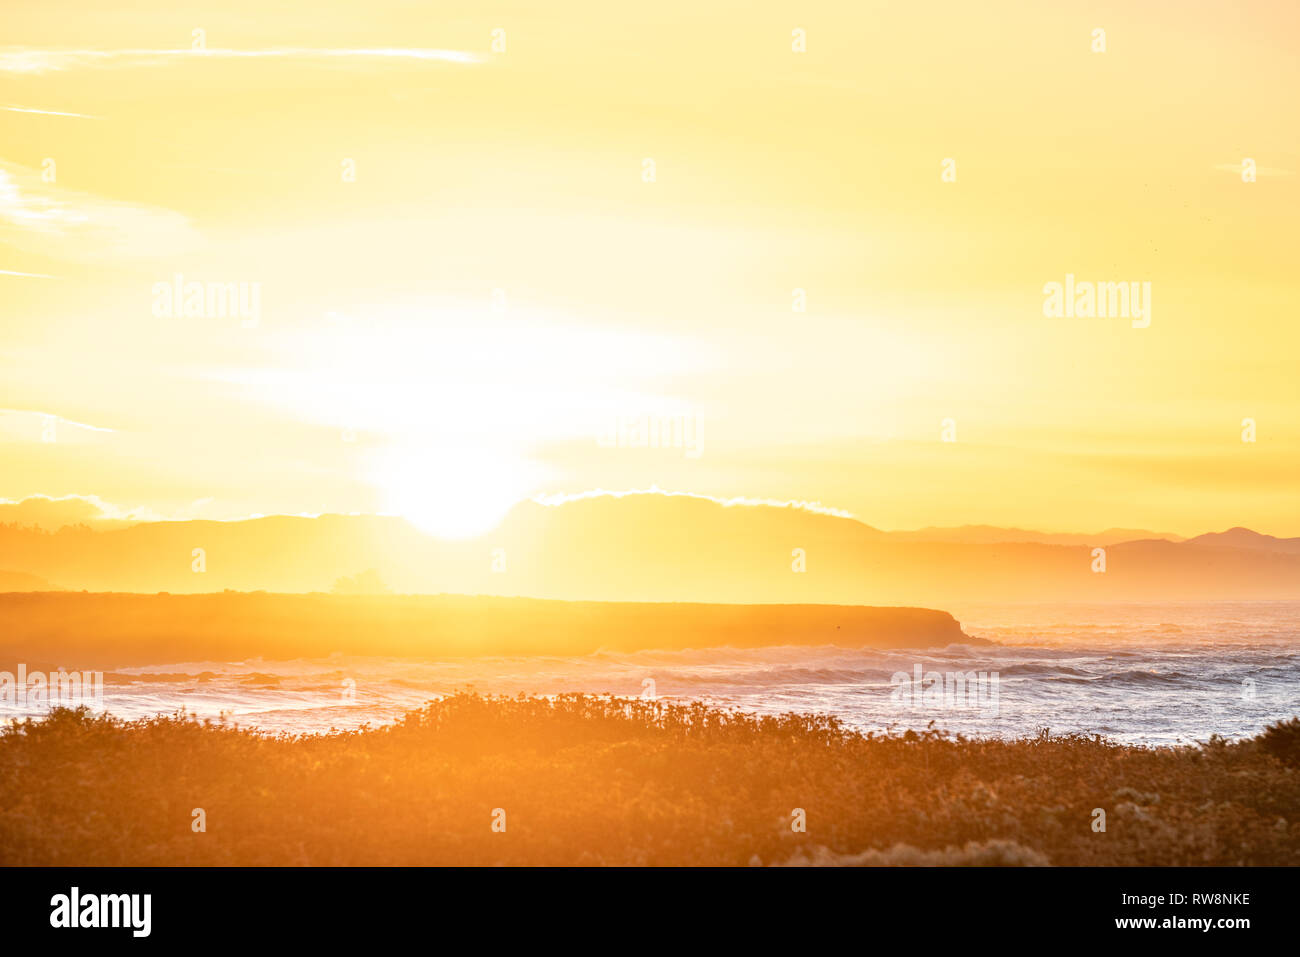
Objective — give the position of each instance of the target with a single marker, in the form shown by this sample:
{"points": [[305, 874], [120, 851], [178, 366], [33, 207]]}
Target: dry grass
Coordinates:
{"points": [[594, 780]]}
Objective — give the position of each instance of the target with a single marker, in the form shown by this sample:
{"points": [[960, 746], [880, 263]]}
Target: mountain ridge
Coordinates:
{"points": [[651, 548]]}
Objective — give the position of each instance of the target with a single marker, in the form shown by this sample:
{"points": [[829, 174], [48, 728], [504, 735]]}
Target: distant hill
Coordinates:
{"points": [[992, 535], [655, 548], [1245, 538], [21, 581]]}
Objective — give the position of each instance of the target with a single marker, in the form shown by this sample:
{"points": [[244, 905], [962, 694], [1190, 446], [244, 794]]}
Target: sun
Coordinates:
{"points": [[452, 493]]}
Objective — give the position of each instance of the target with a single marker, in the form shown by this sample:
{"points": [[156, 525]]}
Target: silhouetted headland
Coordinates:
{"points": [[83, 630]]}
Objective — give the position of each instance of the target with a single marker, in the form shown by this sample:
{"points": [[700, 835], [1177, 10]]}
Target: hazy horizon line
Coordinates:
{"points": [[118, 515]]}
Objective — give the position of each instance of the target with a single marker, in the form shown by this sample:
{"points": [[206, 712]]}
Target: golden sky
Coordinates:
{"points": [[466, 280]]}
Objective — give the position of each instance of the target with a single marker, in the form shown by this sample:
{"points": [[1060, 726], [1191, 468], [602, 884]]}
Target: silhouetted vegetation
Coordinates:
{"points": [[599, 780], [1282, 740]]}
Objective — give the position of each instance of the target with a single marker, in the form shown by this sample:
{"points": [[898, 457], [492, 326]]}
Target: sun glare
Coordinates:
{"points": [[452, 493]]}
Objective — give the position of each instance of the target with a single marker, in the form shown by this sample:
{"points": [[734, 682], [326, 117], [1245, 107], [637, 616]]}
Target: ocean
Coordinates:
{"points": [[1155, 674]]}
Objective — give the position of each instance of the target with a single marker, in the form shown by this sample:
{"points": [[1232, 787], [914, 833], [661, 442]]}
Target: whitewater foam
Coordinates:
{"points": [[1157, 674]]}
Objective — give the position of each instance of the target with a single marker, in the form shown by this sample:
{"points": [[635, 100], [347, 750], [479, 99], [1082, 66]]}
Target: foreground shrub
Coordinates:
{"points": [[1282, 740], [583, 779]]}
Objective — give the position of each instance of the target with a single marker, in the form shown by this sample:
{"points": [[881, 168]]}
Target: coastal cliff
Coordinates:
{"points": [[105, 630]]}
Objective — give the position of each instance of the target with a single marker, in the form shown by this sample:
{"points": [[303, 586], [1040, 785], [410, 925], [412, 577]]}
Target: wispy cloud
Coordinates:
{"points": [[66, 224], [58, 418], [34, 425], [563, 498], [26, 275], [24, 60], [32, 109]]}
